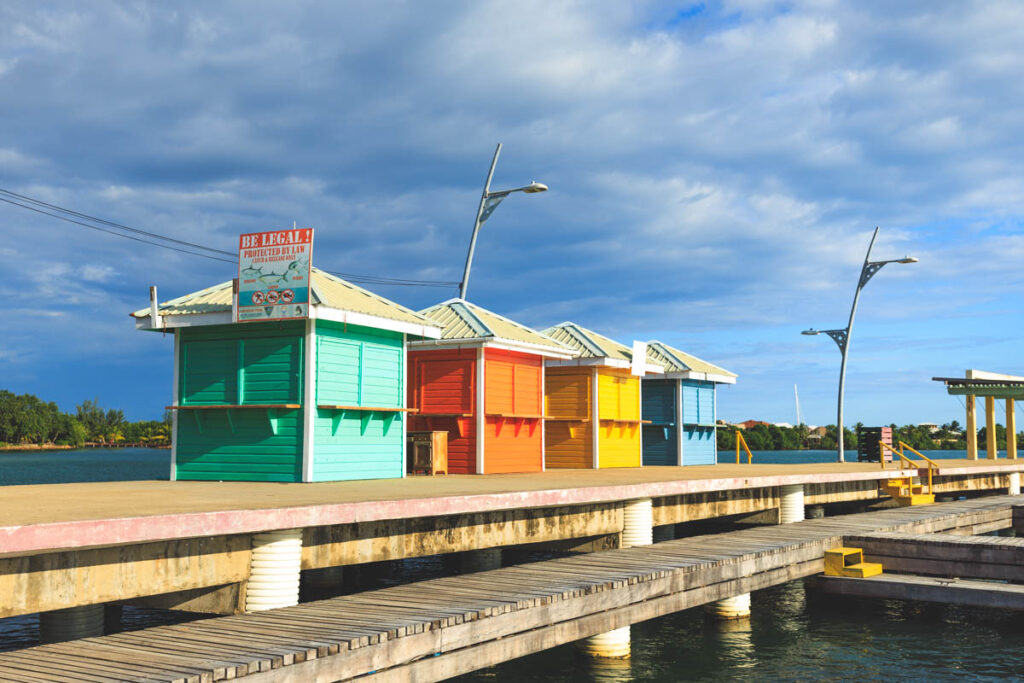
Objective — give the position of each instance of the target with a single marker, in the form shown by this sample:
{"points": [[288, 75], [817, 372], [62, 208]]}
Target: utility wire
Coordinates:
{"points": [[71, 216], [111, 232], [112, 224]]}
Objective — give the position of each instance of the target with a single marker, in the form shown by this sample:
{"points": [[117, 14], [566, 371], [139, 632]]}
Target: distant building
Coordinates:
{"points": [[930, 426], [817, 432], [750, 424]]}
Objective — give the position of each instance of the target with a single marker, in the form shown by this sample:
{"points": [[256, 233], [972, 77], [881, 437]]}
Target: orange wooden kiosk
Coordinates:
{"points": [[483, 383], [592, 402]]}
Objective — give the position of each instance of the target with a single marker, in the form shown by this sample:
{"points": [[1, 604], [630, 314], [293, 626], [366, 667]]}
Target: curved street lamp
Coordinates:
{"points": [[488, 203], [842, 337]]}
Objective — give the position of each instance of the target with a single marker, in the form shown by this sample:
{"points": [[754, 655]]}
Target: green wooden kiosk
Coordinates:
{"points": [[314, 399]]}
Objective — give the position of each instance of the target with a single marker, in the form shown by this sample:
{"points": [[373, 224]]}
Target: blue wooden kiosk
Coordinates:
{"points": [[678, 408], [315, 399]]}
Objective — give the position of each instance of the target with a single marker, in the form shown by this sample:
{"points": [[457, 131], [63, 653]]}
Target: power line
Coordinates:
{"points": [[111, 232], [112, 224], [137, 235]]}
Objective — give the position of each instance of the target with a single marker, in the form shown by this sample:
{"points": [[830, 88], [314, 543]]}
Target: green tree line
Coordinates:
{"points": [[27, 419], [949, 436]]}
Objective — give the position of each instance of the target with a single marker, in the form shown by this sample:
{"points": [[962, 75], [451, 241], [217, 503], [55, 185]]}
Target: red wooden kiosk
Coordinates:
{"points": [[484, 376]]}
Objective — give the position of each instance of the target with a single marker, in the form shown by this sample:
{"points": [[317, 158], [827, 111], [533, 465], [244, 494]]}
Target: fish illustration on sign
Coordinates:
{"points": [[251, 273]]}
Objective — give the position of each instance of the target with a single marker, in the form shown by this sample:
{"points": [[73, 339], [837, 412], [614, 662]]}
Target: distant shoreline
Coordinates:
{"points": [[21, 448]]}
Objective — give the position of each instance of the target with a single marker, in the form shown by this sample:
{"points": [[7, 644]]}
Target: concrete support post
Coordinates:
{"points": [[791, 504], [637, 529], [791, 509], [71, 624], [481, 560], [990, 428], [1011, 430], [612, 644], [971, 428], [274, 571], [637, 523], [736, 607], [1014, 488]]}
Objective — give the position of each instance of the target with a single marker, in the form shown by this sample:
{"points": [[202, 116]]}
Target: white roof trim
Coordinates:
{"points": [[366, 320], [603, 362], [189, 320], [701, 376], [316, 311], [495, 343]]}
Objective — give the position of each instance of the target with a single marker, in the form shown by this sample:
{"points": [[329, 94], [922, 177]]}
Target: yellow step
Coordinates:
{"points": [[862, 570], [915, 499]]}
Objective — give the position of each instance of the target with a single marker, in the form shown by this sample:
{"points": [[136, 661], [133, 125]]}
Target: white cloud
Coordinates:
{"points": [[96, 272]]}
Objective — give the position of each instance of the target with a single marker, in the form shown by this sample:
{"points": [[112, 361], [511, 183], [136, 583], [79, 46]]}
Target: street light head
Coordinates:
{"points": [[534, 186], [811, 332], [907, 259]]}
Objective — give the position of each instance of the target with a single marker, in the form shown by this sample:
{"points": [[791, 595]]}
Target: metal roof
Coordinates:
{"points": [[590, 344], [327, 291], [674, 360], [460, 320], [986, 384]]}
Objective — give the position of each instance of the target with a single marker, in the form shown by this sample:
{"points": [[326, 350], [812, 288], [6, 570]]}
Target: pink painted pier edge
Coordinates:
{"points": [[55, 536]]}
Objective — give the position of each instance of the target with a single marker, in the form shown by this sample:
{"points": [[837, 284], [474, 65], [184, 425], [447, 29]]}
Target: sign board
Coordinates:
{"points": [[273, 275], [639, 365]]}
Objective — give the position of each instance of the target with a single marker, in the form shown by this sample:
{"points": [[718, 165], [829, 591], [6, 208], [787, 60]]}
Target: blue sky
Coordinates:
{"points": [[716, 170]]}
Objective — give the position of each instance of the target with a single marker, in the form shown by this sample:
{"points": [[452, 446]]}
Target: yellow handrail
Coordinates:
{"points": [[741, 440], [919, 454], [932, 465]]}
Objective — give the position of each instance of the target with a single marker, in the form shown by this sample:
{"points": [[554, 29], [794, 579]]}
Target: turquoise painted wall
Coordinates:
{"points": [[699, 446], [698, 402], [246, 364], [358, 366]]}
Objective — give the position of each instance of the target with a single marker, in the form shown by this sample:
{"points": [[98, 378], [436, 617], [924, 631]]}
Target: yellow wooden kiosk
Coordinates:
{"points": [[592, 403]]}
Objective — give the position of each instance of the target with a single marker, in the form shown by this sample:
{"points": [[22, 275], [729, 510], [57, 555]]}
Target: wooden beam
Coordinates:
{"points": [[927, 589], [971, 429], [990, 428], [1011, 430], [944, 554], [995, 392]]}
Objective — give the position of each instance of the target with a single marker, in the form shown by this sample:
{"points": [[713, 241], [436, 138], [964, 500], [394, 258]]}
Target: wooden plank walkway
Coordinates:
{"points": [[989, 558], [439, 628], [927, 589]]}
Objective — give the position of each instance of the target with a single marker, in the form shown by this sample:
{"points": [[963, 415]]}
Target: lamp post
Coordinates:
{"points": [[488, 203], [842, 337]]}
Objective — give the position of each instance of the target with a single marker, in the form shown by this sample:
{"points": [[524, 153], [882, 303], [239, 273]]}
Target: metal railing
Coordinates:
{"points": [[740, 441], [932, 465]]}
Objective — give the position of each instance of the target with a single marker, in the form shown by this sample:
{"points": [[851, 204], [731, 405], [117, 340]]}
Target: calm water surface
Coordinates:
{"points": [[792, 635]]}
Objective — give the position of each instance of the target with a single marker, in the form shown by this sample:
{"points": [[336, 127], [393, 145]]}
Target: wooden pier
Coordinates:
{"points": [[187, 545], [440, 628]]}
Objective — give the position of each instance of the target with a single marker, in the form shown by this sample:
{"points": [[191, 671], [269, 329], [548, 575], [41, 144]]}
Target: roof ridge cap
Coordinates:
{"points": [[589, 341], [463, 310], [670, 352]]}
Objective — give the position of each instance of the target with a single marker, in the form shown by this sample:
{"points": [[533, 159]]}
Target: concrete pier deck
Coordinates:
{"points": [[63, 516], [188, 545]]}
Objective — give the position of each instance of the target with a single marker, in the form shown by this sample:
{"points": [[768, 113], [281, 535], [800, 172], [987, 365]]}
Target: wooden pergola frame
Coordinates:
{"points": [[992, 386]]}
